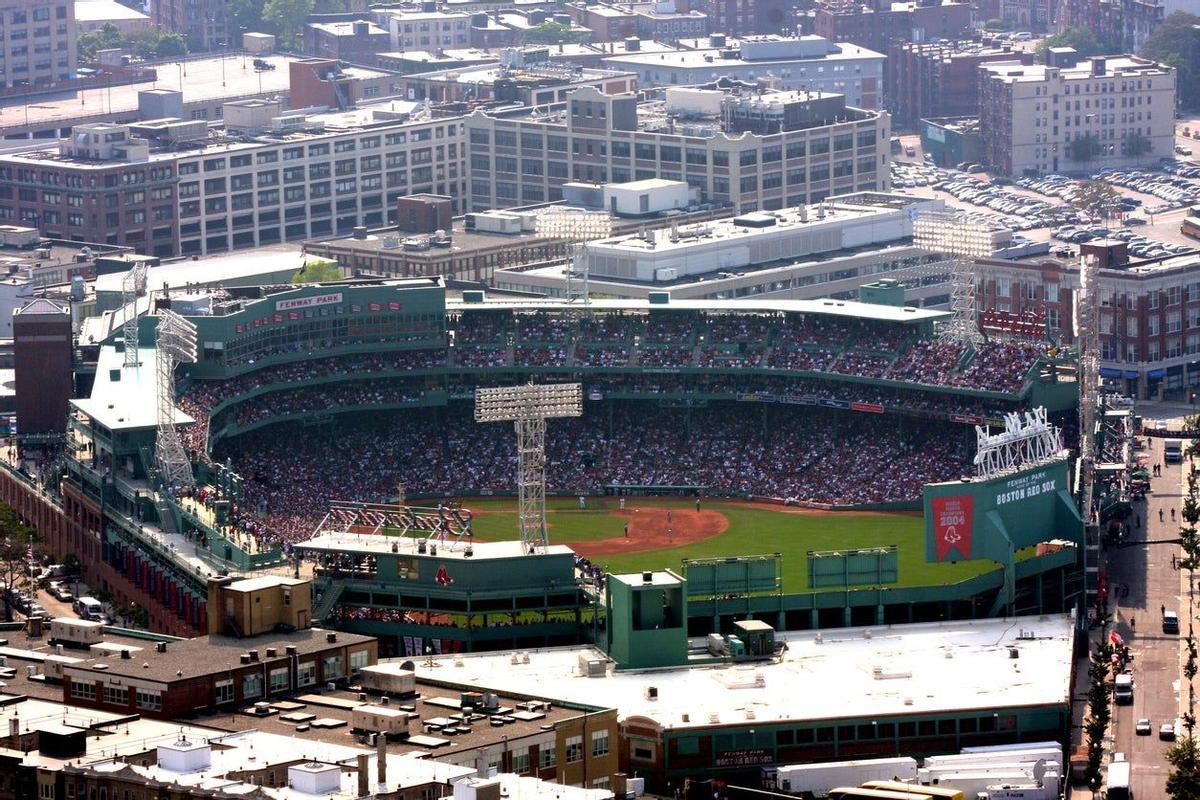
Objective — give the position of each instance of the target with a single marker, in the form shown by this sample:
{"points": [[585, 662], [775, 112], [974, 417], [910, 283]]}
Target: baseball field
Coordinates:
{"points": [[664, 531]]}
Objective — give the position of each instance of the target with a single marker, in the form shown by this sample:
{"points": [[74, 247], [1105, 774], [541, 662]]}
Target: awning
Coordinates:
{"points": [[1131, 375], [1109, 372], [1156, 373]]}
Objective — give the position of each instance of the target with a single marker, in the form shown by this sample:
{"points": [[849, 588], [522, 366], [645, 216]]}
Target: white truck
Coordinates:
{"points": [[1123, 689], [1050, 752], [1172, 450], [818, 779]]}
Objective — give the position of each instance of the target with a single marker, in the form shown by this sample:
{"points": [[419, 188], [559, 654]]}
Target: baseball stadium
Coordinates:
{"points": [[810, 463]]}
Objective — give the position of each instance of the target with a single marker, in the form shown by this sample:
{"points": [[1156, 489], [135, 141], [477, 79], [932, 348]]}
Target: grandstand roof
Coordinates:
{"points": [[272, 263], [837, 308], [375, 543], [125, 398]]}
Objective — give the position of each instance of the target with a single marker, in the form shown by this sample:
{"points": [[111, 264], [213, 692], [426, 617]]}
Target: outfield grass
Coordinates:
{"points": [[752, 531]]}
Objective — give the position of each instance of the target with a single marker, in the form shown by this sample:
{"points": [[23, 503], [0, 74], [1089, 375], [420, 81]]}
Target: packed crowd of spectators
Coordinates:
{"points": [[776, 451], [999, 366]]}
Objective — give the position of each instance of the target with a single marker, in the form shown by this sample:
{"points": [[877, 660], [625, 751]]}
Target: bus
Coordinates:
{"points": [[1118, 781], [937, 792], [863, 793]]}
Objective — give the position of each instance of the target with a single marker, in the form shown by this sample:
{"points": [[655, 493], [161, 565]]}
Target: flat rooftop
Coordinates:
{"points": [[461, 241], [923, 668], [200, 79], [1114, 66], [710, 57], [106, 11], [250, 751], [434, 707], [206, 655]]}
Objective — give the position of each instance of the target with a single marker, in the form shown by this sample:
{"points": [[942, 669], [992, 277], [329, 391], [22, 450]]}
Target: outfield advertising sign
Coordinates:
{"points": [[967, 520]]}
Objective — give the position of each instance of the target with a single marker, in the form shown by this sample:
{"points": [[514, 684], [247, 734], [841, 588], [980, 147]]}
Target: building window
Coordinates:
{"points": [[331, 667], [83, 691], [574, 749], [149, 701], [306, 673], [520, 762], [547, 757], [252, 685], [223, 691], [600, 745], [279, 680], [359, 659], [116, 696]]}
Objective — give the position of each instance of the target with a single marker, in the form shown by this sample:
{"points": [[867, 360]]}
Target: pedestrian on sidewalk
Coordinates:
{"points": [[1160, 515], [1162, 609]]}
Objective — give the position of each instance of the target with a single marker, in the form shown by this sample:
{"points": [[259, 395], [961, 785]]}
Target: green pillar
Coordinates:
{"points": [[846, 616], [814, 619]]}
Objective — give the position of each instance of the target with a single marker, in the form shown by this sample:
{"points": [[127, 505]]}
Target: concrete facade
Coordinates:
{"points": [[1031, 117], [609, 138]]}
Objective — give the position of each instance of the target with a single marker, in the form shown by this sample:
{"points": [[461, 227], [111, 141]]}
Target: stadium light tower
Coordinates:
{"points": [[528, 407], [176, 344], [577, 226], [133, 286], [1088, 335], [954, 234]]}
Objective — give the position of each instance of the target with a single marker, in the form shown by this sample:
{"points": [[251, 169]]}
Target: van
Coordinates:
{"points": [[90, 608], [1123, 689], [1172, 450], [1170, 622], [1022, 36]]}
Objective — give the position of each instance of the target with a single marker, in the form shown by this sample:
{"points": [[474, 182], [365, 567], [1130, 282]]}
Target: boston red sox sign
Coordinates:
{"points": [[952, 520]]}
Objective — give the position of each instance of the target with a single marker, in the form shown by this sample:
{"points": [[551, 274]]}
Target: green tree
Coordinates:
{"points": [[1085, 148], [1176, 42], [245, 15], [1135, 144], [86, 44], [287, 17], [317, 270], [552, 33], [1183, 782], [1095, 198], [15, 540], [1085, 42]]}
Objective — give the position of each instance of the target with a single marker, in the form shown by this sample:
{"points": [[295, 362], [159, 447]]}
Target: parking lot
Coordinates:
{"points": [[1147, 215]]}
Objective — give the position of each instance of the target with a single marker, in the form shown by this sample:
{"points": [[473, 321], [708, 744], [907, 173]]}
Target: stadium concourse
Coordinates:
{"points": [[786, 450]]}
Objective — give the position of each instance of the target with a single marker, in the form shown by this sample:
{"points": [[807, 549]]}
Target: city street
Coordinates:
{"points": [[1143, 579]]}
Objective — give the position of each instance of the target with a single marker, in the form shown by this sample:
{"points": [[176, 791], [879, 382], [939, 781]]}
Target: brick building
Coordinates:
{"points": [[883, 25], [42, 358], [939, 80], [205, 23], [356, 41]]}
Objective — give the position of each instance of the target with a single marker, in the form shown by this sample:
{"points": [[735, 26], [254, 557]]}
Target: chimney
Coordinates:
{"points": [[254, 655], [381, 763], [14, 731], [364, 782]]}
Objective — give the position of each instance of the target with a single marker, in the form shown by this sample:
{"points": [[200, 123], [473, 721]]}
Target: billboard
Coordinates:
{"points": [[973, 519]]}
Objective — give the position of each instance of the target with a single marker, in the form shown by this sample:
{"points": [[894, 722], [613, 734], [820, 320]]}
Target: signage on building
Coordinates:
{"points": [[743, 758], [309, 302]]}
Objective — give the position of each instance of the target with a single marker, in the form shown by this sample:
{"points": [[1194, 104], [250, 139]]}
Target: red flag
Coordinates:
{"points": [[952, 520]]}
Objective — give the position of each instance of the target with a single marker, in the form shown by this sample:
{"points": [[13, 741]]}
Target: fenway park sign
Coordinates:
{"points": [[309, 302]]}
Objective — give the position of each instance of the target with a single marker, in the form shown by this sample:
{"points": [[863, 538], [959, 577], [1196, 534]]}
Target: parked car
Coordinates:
{"points": [[1166, 731]]}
